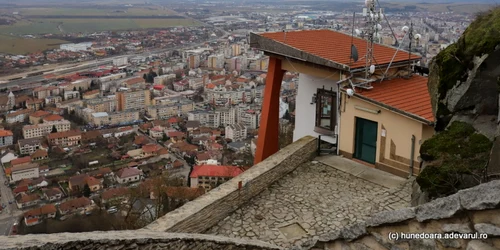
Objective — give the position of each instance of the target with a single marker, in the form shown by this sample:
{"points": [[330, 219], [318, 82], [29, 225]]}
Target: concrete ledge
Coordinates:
{"points": [[131, 239], [203, 213]]}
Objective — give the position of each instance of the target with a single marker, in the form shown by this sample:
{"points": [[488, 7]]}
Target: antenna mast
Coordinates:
{"points": [[371, 23]]}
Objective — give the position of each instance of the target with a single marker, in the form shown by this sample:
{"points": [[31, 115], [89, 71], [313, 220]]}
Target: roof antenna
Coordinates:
{"points": [[354, 50], [410, 35]]}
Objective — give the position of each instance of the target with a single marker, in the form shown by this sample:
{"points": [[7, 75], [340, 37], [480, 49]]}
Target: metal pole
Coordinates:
{"points": [[412, 155]]}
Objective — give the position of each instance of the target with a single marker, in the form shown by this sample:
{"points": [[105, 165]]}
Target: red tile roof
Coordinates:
{"points": [[5, 133], [44, 210], [40, 113], [408, 95], [75, 203], [215, 171], [336, 46], [53, 117], [114, 192], [21, 160], [128, 172]]}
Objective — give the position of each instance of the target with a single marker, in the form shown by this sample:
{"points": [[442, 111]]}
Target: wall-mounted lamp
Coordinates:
{"points": [[368, 110], [313, 99]]}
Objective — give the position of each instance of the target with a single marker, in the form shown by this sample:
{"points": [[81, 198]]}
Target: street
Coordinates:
{"points": [[11, 212]]}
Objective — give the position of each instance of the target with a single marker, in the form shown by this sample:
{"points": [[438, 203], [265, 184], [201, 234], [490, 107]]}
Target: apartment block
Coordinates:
{"points": [[29, 146], [227, 116], [248, 118], [138, 99], [65, 139], [206, 118], [106, 104], [6, 138], [236, 132], [43, 129]]}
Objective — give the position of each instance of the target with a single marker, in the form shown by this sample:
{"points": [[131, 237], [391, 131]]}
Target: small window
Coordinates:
{"points": [[326, 106]]}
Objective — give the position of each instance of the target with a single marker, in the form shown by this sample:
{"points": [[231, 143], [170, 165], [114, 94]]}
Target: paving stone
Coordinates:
{"points": [[322, 199]]}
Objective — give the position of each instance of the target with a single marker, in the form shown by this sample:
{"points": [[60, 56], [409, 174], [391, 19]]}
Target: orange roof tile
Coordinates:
{"points": [[5, 133], [53, 117], [408, 95], [215, 171], [336, 46]]}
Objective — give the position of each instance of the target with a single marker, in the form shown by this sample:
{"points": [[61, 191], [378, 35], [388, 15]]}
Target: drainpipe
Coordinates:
{"points": [[338, 116], [412, 155]]}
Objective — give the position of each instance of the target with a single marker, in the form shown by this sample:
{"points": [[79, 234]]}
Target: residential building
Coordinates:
{"points": [[39, 155], [215, 61], [138, 99], [135, 83], [52, 118], [44, 92], [27, 200], [43, 129], [81, 204], [37, 215], [127, 175], [223, 95], [238, 146], [77, 183], [91, 94], [53, 100], [18, 116], [211, 176], [29, 146], [7, 102], [6, 138], [24, 171], [34, 103], [181, 85], [227, 116], [115, 195], [248, 118], [206, 118], [71, 95], [52, 194], [65, 139], [193, 61], [123, 131], [236, 132], [124, 117], [37, 116], [102, 104]]}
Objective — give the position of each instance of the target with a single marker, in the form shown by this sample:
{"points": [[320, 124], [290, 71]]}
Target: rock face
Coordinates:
{"points": [[464, 78], [464, 85]]}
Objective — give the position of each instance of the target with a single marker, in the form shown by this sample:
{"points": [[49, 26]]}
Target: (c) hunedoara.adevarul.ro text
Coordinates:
{"points": [[456, 236]]}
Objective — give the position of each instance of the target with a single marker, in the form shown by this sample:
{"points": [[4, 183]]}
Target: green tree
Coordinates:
{"points": [[165, 137], [86, 190], [145, 77], [74, 88], [54, 129]]}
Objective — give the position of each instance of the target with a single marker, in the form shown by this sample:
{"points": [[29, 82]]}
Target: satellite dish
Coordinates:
{"points": [[418, 36], [357, 32], [405, 29], [379, 27], [372, 69], [354, 53], [350, 92], [368, 3]]}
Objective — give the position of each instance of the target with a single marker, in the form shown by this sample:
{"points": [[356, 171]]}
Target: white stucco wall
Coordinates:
{"points": [[305, 112]]}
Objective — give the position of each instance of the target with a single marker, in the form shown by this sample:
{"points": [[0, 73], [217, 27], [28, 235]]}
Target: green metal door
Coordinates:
{"points": [[365, 140]]}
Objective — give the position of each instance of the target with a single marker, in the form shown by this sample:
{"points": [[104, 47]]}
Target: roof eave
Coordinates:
{"points": [[399, 111], [274, 47]]}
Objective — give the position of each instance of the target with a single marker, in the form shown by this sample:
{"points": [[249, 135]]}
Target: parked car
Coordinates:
{"points": [[112, 210]]}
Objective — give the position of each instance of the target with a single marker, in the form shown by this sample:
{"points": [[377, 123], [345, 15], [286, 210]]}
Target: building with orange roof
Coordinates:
{"points": [[37, 116], [374, 109], [52, 118], [37, 215], [65, 138], [6, 138], [211, 176]]}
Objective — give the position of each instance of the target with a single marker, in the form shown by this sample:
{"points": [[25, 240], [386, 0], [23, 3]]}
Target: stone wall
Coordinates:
{"points": [[203, 213], [138, 239], [474, 212]]}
